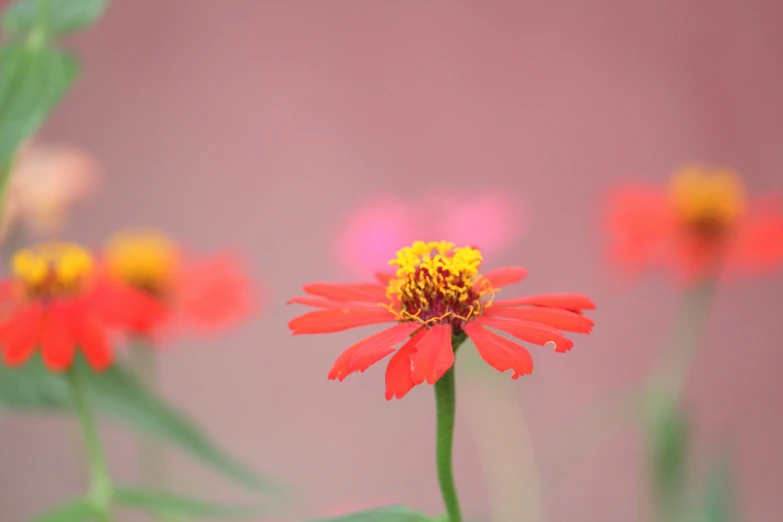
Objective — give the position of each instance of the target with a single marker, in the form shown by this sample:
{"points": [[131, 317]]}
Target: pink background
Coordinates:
{"points": [[257, 124]]}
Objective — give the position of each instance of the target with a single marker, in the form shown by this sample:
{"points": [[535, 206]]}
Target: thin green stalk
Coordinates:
{"points": [[686, 334], [150, 452], [664, 415], [151, 456], [446, 407], [100, 484]]}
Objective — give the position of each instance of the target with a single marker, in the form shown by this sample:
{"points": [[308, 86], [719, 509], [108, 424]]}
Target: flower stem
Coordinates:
{"points": [[689, 326], [665, 417], [446, 407], [100, 484], [150, 453]]}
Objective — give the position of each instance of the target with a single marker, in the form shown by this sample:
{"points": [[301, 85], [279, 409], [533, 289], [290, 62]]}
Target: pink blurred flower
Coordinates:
{"points": [[372, 232], [45, 181]]}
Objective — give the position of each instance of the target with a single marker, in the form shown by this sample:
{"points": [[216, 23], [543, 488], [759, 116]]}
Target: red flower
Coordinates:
{"points": [[160, 287], [432, 298], [50, 304], [697, 225]]}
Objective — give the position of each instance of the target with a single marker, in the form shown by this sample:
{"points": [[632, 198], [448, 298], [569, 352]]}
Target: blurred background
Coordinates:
{"points": [[280, 128]]}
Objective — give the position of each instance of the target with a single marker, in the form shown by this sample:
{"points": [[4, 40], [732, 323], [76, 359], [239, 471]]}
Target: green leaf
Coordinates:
{"points": [[160, 502], [719, 495], [396, 513], [75, 511], [667, 439], [64, 16], [33, 82], [117, 395]]}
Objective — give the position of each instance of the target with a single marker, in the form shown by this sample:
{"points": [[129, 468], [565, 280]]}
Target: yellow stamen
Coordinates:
{"points": [[145, 259], [702, 196], [52, 268], [436, 282]]}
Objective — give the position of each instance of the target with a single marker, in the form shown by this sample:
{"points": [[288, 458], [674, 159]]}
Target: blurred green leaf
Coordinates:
{"points": [[159, 502], [397, 513], [33, 81], [64, 16], [719, 495], [75, 511], [667, 439], [116, 394]]}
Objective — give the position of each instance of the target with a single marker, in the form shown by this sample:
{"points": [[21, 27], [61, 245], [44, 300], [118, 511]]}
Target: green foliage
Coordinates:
{"points": [[62, 16], [32, 82], [162, 503], [719, 494], [116, 394], [667, 438], [397, 513], [73, 511]]}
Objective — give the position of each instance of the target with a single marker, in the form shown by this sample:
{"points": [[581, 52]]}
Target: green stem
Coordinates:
{"points": [[446, 407], [100, 491], [686, 334], [665, 417], [150, 452]]}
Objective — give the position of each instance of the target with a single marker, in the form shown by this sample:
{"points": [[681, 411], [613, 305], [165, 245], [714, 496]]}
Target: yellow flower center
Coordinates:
{"points": [[710, 201], [52, 269], [437, 283], [146, 260]]}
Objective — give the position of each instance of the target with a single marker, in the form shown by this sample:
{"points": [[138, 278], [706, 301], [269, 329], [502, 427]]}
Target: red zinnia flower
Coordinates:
{"points": [[431, 298], [170, 288], [50, 304], [701, 222]]}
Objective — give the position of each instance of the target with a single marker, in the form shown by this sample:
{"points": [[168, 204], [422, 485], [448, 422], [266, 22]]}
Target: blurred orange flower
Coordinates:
{"points": [[50, 303], [205, 294], [44, 183], [436, 293], [697, 225]]}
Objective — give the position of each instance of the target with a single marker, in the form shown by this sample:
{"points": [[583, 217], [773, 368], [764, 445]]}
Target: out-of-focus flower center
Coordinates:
{"points": [[145, 260], [52, 269], [437, 283], [708, 201]]}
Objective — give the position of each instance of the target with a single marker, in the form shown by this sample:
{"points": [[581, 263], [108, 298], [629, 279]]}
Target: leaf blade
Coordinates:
{"points": [[73, 511], [118, 396], [160, 502], [393, 513], [65, 16]]}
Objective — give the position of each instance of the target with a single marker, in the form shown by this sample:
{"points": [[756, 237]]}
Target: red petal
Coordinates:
{"points": [[21, 334], [555, 317], [215, 293], [328, 321], [127, 309], [565, 301], [57, 343], [318, 302], [398, 372], [385, 277], [505, 276], [758, 244], [499, 352], [434, 355], [94, 343], [368, 351], [362, 292], [531, 332]]}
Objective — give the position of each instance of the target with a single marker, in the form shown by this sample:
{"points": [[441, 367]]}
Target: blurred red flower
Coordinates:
{"points": [[173, 290], [436, 293], [50, 303], [372, 232], [702, 222]]}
